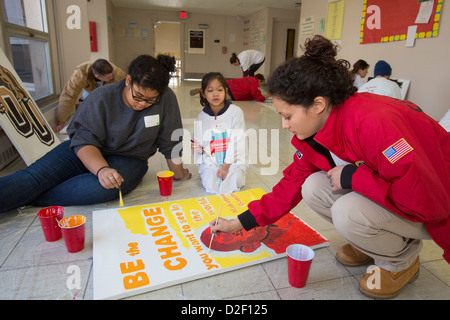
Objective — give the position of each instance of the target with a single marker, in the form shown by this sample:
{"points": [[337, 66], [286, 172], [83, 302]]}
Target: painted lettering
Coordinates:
{"points": [[137, 280], [167, 246]]}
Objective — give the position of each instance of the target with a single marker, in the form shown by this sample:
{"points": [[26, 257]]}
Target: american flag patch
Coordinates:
{"points": [[397, 150]]}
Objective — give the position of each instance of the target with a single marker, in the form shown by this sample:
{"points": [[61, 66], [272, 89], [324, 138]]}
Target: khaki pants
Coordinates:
{"points": [[391, 240]]}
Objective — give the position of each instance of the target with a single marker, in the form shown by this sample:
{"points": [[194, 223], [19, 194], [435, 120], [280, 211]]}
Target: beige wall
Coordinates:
{"points": [[97, 12], [268, 33], [219, 27], [222, 31], [73, 44], [426, 64]]}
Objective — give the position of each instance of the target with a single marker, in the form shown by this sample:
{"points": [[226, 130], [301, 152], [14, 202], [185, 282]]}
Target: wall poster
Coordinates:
{"points": [[389, 20], [148, 247], [197, 41], [335, 19]]}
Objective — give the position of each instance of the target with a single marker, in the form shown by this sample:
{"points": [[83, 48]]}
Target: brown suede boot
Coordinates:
{"points": [[349, 256], [383, 284]]}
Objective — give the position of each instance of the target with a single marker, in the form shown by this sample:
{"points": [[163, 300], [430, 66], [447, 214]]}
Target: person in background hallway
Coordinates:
{"points": [[88, 77], [248, 60], [381, 84], [243, 89], [112, 135], [359, 72], [375, 167]]}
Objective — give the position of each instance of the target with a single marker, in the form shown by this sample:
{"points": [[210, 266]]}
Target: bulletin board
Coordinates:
{"points": [[21, 118], [389, 20], [148, 247]]}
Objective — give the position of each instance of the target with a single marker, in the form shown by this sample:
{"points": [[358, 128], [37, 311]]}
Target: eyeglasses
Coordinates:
{"points": [[154, 100]]}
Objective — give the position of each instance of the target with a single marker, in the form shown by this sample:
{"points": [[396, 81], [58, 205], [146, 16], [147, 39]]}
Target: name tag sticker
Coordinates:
{"points": [[151, 121]]}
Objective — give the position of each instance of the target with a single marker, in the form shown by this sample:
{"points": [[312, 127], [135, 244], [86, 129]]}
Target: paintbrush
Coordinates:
{"points": [[120, 197], [212, 232], [203, 149]]}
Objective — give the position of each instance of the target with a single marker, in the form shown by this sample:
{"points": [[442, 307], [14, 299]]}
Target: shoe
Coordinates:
{"points": [[193, 92], [349, 256], [390, 283]]}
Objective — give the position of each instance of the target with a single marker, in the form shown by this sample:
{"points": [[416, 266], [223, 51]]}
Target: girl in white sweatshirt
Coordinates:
{"points": [[219, 138]]}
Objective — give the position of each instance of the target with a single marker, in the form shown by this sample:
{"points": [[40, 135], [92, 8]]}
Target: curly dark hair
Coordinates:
{"points": [[299, 81], [152, 73]]}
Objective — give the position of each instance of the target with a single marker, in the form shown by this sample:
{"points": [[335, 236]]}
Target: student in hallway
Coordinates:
{"points": [[88, 77], [219, 138], [114, 133], [243, 89], [359, 72], [375, 167], [381, 83], [248, 60]]}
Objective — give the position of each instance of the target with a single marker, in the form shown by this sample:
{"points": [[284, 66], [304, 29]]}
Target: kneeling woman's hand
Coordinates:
{"points": [[109, 178]]}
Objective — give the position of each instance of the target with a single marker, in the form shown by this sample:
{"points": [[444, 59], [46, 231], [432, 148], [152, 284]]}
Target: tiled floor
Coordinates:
{"points": [[31, 268]]}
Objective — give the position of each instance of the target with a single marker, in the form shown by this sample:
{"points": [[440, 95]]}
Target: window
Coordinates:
{"points": [[29, 45]]}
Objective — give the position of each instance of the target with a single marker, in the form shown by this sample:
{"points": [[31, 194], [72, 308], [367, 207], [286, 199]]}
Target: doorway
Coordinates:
{"points": [[167, 37], [283, 42], [290, 43]]}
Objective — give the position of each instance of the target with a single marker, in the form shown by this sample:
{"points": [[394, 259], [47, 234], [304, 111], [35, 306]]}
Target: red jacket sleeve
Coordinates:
{"points": [[285, 195], [255, 91]]}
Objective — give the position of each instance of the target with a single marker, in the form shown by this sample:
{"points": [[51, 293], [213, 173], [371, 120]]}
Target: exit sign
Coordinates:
{"points": [[183, 14]]}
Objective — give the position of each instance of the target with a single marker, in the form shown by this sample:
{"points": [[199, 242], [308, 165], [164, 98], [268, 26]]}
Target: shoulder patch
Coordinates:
{"points": [[397, 150]]}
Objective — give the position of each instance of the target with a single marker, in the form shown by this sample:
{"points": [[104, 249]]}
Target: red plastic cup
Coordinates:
{"points": [[165, 180], [73, 231], [49, 218], [299, 263]]}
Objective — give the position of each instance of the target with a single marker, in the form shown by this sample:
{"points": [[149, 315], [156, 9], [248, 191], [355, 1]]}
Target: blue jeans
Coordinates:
{"points": [[59, 178]]}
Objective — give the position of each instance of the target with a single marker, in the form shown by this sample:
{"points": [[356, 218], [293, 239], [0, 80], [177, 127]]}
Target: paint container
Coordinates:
{"points": [[73, 230], [49, 218], [299, 263], [165, 180]]}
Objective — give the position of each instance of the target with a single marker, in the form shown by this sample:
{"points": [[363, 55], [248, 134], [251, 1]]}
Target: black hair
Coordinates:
{"points": [[234, 58], [260, 77], [102, 67], [152, 73], [206, 80], [299, 81]]}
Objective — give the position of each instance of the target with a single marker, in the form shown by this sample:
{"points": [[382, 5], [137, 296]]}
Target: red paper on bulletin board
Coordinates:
{"points": [[388, 20]]}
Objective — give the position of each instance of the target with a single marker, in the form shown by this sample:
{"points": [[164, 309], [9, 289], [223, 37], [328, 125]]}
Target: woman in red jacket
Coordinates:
{"points": [[378, 168]]}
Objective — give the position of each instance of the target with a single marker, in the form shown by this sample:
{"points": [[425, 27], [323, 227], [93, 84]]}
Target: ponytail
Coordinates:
{"points": [[233, 58], [167, 61]]}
